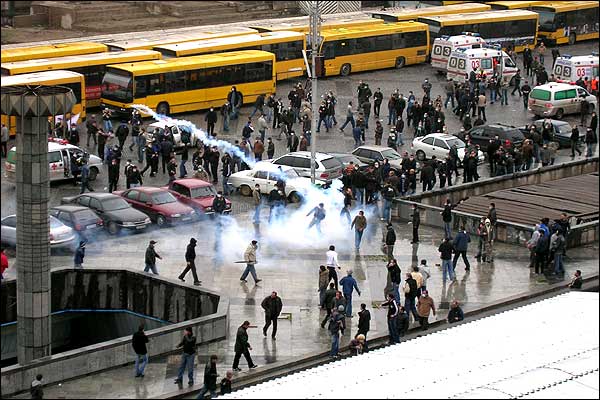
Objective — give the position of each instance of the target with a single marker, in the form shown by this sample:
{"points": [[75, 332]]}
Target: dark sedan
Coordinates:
{"points": [[115, 212], [82, 219], [482, 134], [562, 131]]}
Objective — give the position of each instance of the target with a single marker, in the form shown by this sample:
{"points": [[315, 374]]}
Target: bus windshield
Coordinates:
{"points": [[117, 86], [547, 21]]}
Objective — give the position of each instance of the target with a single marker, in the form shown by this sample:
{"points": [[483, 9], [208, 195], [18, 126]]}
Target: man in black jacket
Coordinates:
{"points": [[190, 258], [447, 218], [113, 175], [242, 347], [210, 378], [390, 241], [166, 148], [364, 322], [416, 221], [211, 120], [410, 293], [188, 342], [395, 277], [219, 204], [138, 341], [272, 306], [445, 250]]}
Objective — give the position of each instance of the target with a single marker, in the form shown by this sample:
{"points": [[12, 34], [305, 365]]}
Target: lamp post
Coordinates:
{"points": [[314, 41]]}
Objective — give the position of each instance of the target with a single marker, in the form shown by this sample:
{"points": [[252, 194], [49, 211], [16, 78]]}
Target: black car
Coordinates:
{"points": [[481, 135], [115, 212], [562, 131], [82, 219]]}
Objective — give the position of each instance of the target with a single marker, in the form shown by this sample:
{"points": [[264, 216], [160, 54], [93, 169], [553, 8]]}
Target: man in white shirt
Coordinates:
{"points": [[332, 262]]}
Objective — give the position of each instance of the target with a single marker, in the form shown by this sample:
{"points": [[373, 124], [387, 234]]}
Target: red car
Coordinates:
{"points": [[160, 205], [196, 193]]}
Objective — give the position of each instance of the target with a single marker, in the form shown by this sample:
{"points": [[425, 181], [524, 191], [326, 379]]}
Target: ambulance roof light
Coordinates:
{"points": [[567, 56]]}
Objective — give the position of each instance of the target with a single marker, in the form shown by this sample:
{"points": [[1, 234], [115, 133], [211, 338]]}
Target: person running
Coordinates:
{"points": [[190, 258], [318, 216], [250, 259]]}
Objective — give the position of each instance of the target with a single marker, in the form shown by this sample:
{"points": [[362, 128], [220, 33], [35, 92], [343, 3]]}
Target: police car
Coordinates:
{"points": [[570, 69], [445, 45]]}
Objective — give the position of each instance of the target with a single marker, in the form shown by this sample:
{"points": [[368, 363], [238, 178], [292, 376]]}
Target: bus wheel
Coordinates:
{"points": [[400, 62], [345, 70], [560, 113], [163, 108], [93, 174], [572, 39]]}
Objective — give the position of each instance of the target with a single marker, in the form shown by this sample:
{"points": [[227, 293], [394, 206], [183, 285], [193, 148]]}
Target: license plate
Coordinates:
{"points": [[140, 227]]}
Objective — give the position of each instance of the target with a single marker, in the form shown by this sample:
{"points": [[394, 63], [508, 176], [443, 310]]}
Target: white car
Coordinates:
{"points": [[266, 175], [178, 131], [60, 235], [438, 145]]}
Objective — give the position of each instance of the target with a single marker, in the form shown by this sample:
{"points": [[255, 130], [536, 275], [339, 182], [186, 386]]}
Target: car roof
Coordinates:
{"points": [[306, 154], [556, 86], [441, 136], [69, 208], [553, 121], [375, 148], [101, 196], [192, 182], [268, 166], [148, 189]]}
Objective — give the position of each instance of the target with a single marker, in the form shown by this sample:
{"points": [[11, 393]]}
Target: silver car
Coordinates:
{"points": [[327, 167], [61, 236]]}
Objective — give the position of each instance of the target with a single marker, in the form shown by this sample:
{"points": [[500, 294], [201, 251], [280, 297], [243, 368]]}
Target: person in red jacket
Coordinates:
{"points": [[4, 263]]}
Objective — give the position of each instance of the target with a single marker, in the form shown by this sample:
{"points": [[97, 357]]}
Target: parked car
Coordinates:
{"points": [[327, 167], [370, 154], [61, 236], [562, 131], [266, 175], [481, 135], [438, 145], [60, 156], [181, 133], [345, 159], [159, 204], [82, 219], [197, 194], [115, 212], [558, 99]]}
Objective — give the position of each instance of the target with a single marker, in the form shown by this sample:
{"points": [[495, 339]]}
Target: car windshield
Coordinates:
{"points": [[55, 223], [203, 191], [459, 143], [391, 154], [114, 204], [117, 86], [331, 163], [163, 198], [564, 128]]}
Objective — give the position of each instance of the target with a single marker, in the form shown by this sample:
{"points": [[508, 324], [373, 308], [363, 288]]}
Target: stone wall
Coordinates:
{"points": [[202, 309]]}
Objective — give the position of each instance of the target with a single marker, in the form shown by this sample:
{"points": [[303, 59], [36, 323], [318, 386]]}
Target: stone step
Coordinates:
{"points": [[129, 15]]}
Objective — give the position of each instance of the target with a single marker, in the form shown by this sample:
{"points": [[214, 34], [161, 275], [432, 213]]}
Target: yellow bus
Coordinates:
{"points": [[442, 3], [71, 79], [92, 66], [508, 28], [513, 5], [407, 14], [568, 21], [286, 45], [328, 21], [191, 83], [164, 38], [381, 46], [51, 50]]}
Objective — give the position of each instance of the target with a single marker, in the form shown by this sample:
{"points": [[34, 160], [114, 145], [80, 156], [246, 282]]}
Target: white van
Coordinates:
{"points": [[557, 99], [60, 156], [569, 69], [463, 61], [445, 45]]}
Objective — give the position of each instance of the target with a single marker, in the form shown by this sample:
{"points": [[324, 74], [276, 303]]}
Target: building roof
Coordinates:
{"points": [[530, 351]]}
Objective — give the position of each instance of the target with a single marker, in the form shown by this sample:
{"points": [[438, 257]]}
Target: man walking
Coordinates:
{"points": [[150, 258], [332, 263], [447, 218], [445, 250], [390, 241], [79, 254], [190, 260], [416, 221], [242, 347], [188, 342], [210, 378], [425, 305], [348, 286], [138, 342], [461, 244], [410, 293], [250, 259], [359, 224], [335, 325], [272, 306]]}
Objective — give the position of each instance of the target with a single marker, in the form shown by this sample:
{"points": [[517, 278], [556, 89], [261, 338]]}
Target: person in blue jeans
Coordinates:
{"points": [[359, 224], [335, 325], [188, 342], [392, 318], [410, 293], [138, 342], [210, 378], [349, 284], [445, 250]]}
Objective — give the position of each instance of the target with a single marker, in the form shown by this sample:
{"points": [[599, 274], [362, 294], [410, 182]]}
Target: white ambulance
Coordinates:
{"points": [[570, 69], [445, 45], [488, 59]]}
